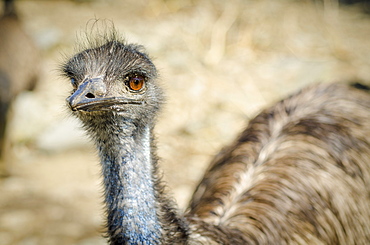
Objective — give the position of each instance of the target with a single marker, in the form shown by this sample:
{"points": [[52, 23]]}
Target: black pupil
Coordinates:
{"points": [[137, 80]]}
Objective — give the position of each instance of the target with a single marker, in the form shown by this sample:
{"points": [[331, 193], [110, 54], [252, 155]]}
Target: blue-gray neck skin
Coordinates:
{"points": [[126, 158]]}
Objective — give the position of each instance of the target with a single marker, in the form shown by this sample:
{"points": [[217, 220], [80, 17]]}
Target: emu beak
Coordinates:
{"points": [[88, 92], [91, 95]]}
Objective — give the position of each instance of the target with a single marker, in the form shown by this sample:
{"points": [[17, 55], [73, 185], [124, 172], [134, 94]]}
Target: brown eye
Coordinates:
{"points": [[136, 83]]}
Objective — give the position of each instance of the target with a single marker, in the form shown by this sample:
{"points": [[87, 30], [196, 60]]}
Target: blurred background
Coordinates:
{"points": [[220, 63]]}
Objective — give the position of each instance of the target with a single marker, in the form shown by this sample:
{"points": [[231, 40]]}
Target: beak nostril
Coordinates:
{"points": [[90, 96]]}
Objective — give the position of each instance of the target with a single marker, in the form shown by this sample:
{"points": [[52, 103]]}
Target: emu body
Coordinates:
{"points": [[298, 174]]}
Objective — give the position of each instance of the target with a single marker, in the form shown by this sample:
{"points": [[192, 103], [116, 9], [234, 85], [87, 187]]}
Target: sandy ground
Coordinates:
{"points": [[220, 63]]}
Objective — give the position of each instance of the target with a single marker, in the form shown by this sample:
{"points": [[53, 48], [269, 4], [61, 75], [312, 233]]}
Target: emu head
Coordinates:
{"points": [[113, 79]]}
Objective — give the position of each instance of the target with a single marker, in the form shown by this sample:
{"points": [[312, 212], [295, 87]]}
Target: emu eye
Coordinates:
{"points": [[136, 83]]}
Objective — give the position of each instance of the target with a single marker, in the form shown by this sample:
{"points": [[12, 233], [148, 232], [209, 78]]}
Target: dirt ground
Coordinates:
{"points": [[220, 63]]}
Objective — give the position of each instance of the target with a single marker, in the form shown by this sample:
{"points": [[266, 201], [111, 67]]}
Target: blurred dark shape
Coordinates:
{"points": [[360, 86], [363, 4], [19, 67], [353, 1]]}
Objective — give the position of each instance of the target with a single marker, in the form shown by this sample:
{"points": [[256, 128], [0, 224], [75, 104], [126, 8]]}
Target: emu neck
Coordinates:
{"points": [[126, 158]]}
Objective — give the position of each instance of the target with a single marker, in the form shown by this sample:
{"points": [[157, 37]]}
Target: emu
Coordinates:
{"points": [[298, 174], [19, 59]]}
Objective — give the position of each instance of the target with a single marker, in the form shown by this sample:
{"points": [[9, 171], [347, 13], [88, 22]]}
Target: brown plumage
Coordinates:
{"points": [[299, 173]]}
